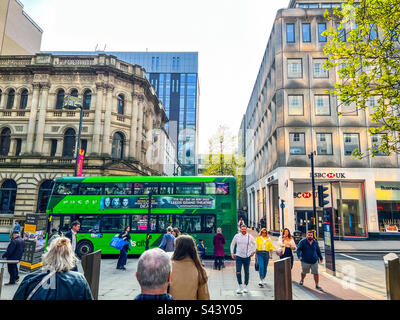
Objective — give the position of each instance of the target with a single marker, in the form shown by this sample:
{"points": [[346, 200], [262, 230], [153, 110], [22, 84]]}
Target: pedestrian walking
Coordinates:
{"points": [[56, 281], [287, 246], [219, 251], [154, 275], [245, 249], [71, 235], [201, 248], [176, 233], [123, 255], [14, 251], [308, 252], [167, 242], [263, 254], [189, 278]]}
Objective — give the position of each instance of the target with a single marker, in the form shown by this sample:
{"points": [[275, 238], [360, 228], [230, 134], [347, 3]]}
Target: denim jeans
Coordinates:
{"points": [[123, 256], [245, 262], [13, 271], [263, 259]]}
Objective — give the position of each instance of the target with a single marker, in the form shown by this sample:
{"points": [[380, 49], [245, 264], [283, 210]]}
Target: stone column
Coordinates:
{"points": [[3, 101], [32, 120], [133, 137], [59, 147], [140, 129], [106, 151], [42, 118], [96, 148]]}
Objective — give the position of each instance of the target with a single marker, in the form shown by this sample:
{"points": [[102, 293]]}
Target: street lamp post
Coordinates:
{"points": [[311, 156], [148, 237], [73, 103]]}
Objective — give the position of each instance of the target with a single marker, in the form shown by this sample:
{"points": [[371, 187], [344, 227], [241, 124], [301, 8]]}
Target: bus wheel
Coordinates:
{"points": [[84, 247]]}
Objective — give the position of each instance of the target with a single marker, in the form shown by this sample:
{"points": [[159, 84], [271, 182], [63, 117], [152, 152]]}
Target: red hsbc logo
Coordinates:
{"points": [[307, 195], [330, 175]]}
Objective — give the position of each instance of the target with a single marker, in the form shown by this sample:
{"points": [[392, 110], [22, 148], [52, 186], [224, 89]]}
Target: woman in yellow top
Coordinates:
{"points": [[264, 244]]}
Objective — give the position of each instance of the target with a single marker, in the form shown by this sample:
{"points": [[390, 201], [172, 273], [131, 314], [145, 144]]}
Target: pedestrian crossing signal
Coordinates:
{"points": [[322, 195]]}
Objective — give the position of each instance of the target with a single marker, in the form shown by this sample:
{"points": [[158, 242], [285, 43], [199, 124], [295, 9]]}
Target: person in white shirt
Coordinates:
{"points": [[245, 249]]}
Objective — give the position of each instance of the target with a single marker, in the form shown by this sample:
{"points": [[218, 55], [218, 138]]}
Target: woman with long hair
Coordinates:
{"points": [[287, 245], [176, 233], [123, 255], [263, 254], [56, 281], [188, 278]]}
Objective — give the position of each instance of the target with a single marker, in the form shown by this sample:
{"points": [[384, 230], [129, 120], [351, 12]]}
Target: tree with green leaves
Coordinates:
{"points": [[364, 48], [223, 159]]}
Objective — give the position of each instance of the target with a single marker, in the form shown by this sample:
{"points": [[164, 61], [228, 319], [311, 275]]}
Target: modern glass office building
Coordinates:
{"points": [[174, 76]]}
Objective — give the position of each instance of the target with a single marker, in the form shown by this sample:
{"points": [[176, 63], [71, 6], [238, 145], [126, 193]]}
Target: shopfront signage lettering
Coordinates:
{"points": [[390, 188], [330, 175], [305, 195]]}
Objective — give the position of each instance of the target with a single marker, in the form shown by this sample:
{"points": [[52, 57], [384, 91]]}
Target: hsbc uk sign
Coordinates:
{"points": [[304, 195], [330, 175]]}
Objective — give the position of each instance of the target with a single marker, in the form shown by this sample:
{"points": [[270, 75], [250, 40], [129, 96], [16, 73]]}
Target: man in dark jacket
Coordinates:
{"points": [[71, 235], [308, 253], [14, 252]]}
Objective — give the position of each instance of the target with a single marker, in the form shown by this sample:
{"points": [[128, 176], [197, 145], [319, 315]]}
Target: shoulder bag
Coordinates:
{"points": [[41, 283]]}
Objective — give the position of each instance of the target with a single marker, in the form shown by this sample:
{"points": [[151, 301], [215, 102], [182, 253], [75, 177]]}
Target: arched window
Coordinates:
{"points": [[74, 93], [24, 99], [5, 141], [8, 194], [87, 99], [118, 146], [10, 100], [44, 194], [120, 104], [60, 99], [69, 143]]}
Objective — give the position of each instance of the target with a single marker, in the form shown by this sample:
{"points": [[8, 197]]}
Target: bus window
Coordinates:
{"points": [[66, 189], [150, 187], [166, 188], [164, 221], [188, 224], [114, 223], [89, 224], [188, 188], [210, 188], [209, 224], [138, 188], [90, 189], [117, 189]]}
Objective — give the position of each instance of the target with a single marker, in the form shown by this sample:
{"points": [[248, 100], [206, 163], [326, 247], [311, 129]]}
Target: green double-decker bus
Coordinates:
{"points": [[106, 205]]}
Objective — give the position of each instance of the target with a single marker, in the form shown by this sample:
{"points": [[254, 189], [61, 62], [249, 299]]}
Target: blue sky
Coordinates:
{"points": [[230, 36]]}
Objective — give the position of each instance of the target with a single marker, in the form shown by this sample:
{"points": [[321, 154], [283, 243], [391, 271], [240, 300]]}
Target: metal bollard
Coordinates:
{"points": [[392, 271], [3, 262], [91, 268], [283, 279]]}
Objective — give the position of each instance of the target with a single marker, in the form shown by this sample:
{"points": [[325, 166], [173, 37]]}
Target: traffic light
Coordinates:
{"points": [[322, 195]]}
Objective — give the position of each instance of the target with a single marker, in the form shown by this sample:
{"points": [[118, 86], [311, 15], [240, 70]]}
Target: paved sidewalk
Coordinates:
{"points": [[122, 285]]}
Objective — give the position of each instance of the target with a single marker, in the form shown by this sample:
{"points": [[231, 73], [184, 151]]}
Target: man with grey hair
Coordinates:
{"points": [[154, 274]]}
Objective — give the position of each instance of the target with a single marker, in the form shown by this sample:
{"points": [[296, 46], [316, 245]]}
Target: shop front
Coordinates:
{"points": [[388, 205]]}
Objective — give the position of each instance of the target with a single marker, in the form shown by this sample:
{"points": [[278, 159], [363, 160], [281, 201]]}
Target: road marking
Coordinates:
{"points": [[345, 255]]}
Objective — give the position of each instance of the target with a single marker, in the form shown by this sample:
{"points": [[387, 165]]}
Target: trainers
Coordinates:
{"points": [[261, 284], [239, 290], [245, 290], [318, 288], [264, 282], [301, 282]]}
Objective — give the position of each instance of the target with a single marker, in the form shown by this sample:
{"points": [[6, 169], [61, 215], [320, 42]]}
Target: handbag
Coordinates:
{"points": [[117, 242]]}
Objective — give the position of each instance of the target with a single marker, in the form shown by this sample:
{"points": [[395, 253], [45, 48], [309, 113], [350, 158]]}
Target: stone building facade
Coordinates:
{"points": [[290, 115], [121, 129]]}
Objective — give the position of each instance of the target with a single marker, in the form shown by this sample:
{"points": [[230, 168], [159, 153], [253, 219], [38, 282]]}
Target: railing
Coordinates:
{"points": [[14, 113], [74, 61]]}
